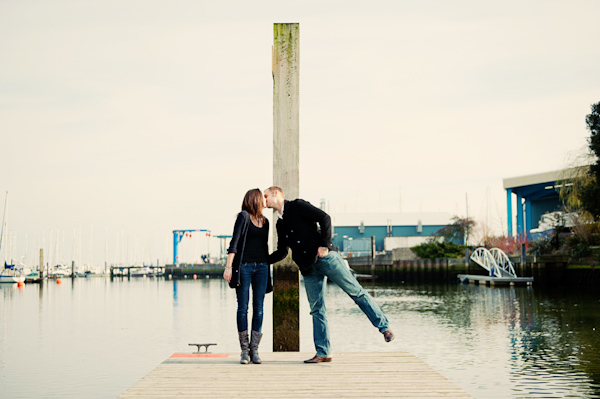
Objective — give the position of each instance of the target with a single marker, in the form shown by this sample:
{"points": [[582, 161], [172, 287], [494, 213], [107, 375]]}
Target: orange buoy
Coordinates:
{"points": [[195, 276], [58, 281], [20, 284]]}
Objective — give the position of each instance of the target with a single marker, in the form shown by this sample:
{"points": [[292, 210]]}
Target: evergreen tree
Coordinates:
{"points": [[590, 193]]}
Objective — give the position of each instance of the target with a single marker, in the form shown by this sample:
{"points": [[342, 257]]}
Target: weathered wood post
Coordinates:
{"points": [[286, 282], [373, 257], [41, 267]]}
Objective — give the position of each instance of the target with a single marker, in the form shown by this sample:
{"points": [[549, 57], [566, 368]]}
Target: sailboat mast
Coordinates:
{"points": [[3, 220]]}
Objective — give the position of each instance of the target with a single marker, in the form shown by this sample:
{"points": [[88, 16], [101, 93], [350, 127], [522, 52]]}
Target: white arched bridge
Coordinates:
{"points": [[500, 268], [495, 261]]}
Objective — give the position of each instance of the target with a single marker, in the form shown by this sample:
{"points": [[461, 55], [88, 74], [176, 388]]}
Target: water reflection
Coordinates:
{"points": [[95, 338], [538, 344], [174, 292]]}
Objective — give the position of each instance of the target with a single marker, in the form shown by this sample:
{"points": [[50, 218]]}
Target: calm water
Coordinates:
{"points": [[92, 338]]}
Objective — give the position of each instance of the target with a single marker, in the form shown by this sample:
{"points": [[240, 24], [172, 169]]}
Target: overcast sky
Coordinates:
{"points": [[130, 119]]}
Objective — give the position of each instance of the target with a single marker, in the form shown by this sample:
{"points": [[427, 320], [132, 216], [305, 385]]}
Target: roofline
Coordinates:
{"points": [[546, 177]]}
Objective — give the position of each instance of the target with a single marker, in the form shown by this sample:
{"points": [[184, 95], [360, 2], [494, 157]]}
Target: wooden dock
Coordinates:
{"points": [[487, 280], [284, 375]]}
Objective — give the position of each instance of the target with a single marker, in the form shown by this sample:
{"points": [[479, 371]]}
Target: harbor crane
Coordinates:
{"points": [[178, 235]]}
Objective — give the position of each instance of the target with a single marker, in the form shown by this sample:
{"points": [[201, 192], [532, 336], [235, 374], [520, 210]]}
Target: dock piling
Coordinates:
{"points": [[286, 158]]}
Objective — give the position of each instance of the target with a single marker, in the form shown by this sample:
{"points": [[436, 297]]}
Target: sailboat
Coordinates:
{"points": [[9, 273]]}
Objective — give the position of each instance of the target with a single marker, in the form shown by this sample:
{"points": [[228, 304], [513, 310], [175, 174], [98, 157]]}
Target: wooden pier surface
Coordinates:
{"points": [[284, 375]]}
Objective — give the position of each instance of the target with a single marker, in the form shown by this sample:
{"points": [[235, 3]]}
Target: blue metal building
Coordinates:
{"points": [[352, 232], [533, 196]]}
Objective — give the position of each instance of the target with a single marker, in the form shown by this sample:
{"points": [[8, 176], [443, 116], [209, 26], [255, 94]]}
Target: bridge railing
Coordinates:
{"points": [[495, 261]]}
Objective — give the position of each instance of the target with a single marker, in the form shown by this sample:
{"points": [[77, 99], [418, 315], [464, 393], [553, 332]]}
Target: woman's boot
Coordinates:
{"points": [[254, 341], [245, 359]]}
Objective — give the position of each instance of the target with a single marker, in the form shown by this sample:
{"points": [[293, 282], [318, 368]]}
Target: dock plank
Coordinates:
{"points": [[284, 375]]}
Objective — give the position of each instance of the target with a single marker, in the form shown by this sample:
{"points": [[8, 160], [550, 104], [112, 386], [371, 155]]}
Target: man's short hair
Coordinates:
{"points": [[275, 188]]}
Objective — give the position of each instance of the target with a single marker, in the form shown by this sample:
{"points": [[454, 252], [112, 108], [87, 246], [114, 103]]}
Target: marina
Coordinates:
{"points": [[97, 338], [129, 141]]}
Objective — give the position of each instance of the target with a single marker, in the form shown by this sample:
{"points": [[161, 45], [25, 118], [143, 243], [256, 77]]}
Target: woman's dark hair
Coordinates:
{"points": [[254, 204]]}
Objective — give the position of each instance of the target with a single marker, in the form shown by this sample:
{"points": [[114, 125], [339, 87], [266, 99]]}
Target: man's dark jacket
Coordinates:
{"points": [[304, 228]]}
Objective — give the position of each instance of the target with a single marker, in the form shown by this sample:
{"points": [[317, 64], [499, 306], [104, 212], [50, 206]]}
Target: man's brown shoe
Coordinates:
{"points": [[388, 336], [318, 359]]}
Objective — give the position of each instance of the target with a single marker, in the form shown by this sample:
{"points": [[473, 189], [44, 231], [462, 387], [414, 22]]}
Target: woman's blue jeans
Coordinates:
{"points": [[332, 267], [255, 275]]}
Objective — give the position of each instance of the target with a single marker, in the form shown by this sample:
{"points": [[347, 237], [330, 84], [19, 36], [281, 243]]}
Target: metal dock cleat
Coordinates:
{"points": [[204, 345]]}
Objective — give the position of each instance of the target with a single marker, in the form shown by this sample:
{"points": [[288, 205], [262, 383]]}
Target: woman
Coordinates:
{"points": [[248, 265]]}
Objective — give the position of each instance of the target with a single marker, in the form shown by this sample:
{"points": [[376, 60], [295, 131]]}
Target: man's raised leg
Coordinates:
{"points": [[336, 270]]}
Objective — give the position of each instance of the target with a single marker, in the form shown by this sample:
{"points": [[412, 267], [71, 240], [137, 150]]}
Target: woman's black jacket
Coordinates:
{"points": [[237, 245]]}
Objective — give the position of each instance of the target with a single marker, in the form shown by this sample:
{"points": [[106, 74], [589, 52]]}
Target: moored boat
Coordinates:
{"points": [[11, 275], [34, 277]]}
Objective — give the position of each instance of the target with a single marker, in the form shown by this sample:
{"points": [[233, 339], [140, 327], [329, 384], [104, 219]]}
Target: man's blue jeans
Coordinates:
{"points": [[332, 267], [255, 275]]}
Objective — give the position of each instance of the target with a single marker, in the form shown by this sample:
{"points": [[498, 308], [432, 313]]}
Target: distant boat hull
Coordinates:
{"points": [[11, 278], [34, 277]]}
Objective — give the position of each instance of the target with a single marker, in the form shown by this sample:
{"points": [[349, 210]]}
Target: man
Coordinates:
{"points": [[306, 230]]}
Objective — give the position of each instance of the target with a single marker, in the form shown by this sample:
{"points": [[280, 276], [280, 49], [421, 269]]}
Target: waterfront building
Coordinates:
{"points": [[534, 197], [352, 232]]}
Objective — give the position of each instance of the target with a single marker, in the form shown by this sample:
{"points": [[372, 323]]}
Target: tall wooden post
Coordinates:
{"points": [[286, 282], [373, 258], [41, 267]]}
